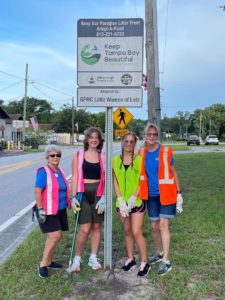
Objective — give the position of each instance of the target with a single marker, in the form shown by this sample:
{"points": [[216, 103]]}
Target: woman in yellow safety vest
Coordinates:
{"points": [[130, 208]]}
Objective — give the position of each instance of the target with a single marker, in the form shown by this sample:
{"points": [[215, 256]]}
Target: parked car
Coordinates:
{"points": [[211, 140], [193, 139]]}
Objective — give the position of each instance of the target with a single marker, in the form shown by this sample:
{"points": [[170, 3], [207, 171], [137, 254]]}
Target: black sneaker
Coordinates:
{"points": [[129, 265], [42, 272], [155, 258], [164, 268], [144, 271], [55, 265]]}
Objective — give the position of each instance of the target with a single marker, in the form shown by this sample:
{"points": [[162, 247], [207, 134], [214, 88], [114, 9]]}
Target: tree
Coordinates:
{"points": [[35, 107]]}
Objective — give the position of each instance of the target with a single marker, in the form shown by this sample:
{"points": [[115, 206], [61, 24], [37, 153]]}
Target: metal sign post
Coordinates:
{"points": [[109, 74], [108, 190]]}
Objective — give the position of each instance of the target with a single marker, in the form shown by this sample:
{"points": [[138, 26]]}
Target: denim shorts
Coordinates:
{"points": [[157, 211]]}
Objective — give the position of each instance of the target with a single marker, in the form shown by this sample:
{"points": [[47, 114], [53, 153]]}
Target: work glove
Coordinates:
{"points": [[100, 206], [41, 216], [179, 205], [124, 209], [132, 201], [75, 205]]}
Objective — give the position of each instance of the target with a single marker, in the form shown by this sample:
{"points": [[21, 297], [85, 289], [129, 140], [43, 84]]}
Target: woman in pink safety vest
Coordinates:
{"points": [[88, 176], [52, 199]]}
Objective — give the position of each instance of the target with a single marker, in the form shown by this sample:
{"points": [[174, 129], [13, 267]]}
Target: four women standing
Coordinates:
{"points": [[145, 179]]}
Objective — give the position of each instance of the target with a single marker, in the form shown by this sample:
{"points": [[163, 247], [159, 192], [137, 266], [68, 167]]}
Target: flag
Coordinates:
{"points": [[34, 123]]}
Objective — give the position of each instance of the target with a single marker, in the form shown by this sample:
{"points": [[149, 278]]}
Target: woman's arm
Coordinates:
{"points": [[74, 176], [38, 197], [172, 168], [116, 186]]}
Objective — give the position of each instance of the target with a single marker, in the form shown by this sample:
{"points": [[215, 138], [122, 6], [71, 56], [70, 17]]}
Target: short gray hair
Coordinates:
{"points": [[52, 148]]}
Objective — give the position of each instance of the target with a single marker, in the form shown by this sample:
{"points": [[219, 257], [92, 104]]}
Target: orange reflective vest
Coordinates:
{"points": [[167, 185]]}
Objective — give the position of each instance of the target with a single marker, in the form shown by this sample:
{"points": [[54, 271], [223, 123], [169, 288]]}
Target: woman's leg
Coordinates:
{"points": [[156, 235], [82, 237], [95, 237], [129, 240], [165, 236], [52, 241], [137, 225]]}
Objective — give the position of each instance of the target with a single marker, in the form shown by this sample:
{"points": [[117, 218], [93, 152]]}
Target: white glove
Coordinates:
{"points": [[179, 203], [132, 201], [100, 206], [124, 209], [75, 205]]}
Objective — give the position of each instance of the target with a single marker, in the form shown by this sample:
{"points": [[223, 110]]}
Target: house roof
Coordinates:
{"points": [[16, 116], [3, 114]]}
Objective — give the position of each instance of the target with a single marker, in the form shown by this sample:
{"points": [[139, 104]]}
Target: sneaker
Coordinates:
{"points": [[129, 265], [155, 258], [75, 265], [164, 268], [93, 262], [55, 265], [42, 272], [144, 270]]}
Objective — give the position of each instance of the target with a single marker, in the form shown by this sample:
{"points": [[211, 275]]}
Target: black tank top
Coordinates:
{"points": [[91, 170]]}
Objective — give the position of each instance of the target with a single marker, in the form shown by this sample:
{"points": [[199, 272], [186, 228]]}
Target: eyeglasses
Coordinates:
{"points": [[129, 142], [55, 155], [151, 134]]}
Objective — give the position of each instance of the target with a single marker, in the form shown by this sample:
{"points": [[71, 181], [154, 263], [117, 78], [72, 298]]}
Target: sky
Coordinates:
{"points": [[43, 34]]}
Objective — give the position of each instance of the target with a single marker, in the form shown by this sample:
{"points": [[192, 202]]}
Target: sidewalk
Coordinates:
{"points": [[12, 236]]}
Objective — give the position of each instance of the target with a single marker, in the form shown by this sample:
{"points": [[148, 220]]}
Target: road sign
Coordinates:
{"points": [[19, 124], [120, 132], [109, 97], [110, 52], [122, 117]]}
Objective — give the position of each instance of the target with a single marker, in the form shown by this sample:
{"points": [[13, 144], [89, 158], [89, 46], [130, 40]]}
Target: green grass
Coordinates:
{"points": [[33, 150], [197, 246]]}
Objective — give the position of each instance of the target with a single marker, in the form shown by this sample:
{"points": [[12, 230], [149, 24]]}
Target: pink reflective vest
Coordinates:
{"points": [[50, 195], [80, 176]]}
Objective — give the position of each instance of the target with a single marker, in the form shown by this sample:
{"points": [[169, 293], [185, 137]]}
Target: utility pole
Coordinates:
{"points": [[25, 103], [200, 125], [152, 60], [72, 128]]}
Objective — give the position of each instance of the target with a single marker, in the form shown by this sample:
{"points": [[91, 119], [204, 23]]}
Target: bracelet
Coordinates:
{"points": [[178, 192]]}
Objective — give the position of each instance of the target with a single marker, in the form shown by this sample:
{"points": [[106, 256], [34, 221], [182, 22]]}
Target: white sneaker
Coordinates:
{"points": [[76, 265], [93, 262]]}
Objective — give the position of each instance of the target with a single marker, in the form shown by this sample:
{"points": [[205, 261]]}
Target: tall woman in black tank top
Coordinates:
{"points": [[90, 219]]}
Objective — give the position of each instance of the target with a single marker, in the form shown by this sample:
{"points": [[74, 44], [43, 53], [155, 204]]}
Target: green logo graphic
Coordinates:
{"points": [[90, 54]]}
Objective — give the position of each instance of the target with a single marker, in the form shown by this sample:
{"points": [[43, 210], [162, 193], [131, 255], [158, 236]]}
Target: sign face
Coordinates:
{"points": [[110, 52], [19, 124], [120, 132], [109, 97], [122, 117]]}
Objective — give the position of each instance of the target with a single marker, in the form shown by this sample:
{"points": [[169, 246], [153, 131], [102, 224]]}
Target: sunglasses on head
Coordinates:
{"points": [[55, 155]]}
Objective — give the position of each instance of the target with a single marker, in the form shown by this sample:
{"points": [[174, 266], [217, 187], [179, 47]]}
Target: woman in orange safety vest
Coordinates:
{"points": [[159, 185]]}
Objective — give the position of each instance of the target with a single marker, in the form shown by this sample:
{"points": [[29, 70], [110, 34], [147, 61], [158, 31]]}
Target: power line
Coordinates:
{"points": [[52, 88], [165, 43], [12, 75], [11, 85], [44, 94], [135, 6]]}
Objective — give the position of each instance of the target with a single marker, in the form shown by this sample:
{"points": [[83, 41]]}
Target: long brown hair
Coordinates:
{"points": [[132, 154], [88, 132]]}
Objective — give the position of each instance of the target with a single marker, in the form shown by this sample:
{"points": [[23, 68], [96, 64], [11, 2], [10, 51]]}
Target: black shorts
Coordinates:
{"points": [[55, 222], [88, 212]]}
